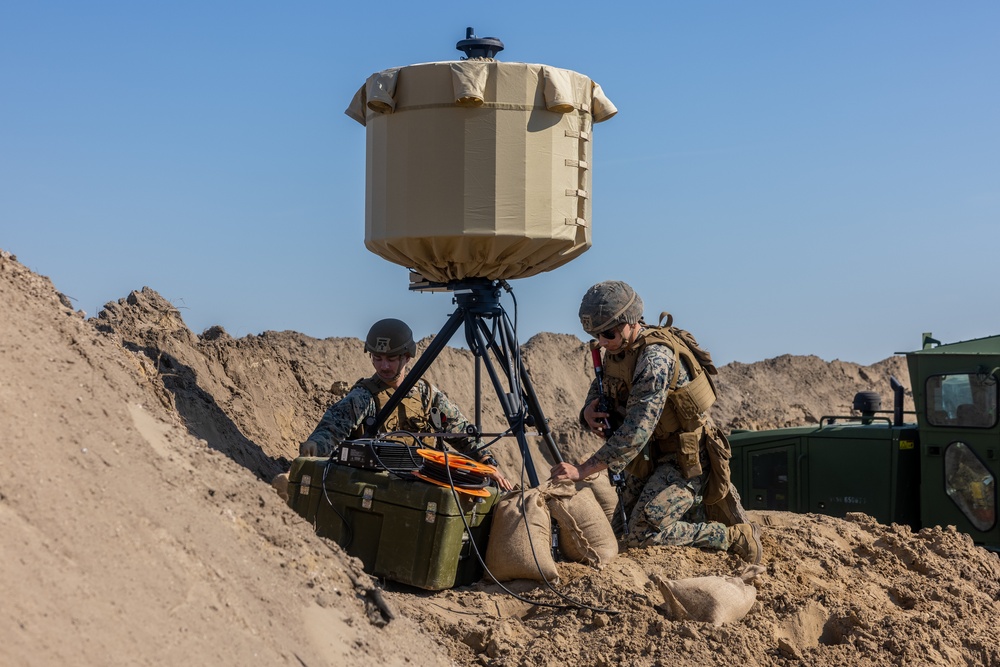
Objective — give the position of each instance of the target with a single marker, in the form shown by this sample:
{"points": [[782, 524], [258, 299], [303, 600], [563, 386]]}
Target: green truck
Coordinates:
{"points": [[940, 470]]}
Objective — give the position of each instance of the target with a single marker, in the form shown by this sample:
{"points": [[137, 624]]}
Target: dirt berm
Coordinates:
{"points": [[138, 528]]}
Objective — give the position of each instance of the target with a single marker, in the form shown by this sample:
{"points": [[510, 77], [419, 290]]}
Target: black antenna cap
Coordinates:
{"points": [[479, 47]]}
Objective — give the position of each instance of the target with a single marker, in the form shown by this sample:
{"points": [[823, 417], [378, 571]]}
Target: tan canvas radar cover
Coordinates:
{"points": [[478, 168]]}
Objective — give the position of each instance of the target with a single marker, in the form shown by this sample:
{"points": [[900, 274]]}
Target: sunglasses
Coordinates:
{"points": [[610, 334]]}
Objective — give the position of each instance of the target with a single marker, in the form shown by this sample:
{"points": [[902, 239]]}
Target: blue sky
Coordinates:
{"points": [[784, 177]]}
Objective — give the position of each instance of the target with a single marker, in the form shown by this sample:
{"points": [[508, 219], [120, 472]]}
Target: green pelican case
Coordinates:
{"points": [[405, 530]]}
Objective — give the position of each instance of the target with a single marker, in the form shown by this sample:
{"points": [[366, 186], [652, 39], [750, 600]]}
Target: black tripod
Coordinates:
{"points": [[478, 300]]}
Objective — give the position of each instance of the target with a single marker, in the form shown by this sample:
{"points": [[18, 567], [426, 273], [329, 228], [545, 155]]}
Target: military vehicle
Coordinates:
{"points": [[940, 470]]}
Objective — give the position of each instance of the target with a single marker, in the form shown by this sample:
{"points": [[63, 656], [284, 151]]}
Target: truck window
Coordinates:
{"points": [[970, 485], [966, 400]]}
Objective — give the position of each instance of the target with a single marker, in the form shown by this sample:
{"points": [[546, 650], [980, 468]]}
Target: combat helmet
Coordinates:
{"points": [[390, 337], [607, 304]]}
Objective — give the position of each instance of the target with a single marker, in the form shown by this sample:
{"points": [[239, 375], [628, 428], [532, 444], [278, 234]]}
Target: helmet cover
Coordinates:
{"points": [[607, 304]]}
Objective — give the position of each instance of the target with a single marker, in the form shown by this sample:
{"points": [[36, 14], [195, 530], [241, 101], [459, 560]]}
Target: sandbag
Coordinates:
{"points": [[585, 534], [510, 552], [715, 600], [280, 486], [603, 490]]}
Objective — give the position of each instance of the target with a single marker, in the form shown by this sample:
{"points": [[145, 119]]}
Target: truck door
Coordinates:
{"points": [[960, 455]]}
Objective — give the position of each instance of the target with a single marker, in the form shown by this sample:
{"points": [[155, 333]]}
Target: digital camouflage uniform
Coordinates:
{"points": [[345, 418], [663, 508]]}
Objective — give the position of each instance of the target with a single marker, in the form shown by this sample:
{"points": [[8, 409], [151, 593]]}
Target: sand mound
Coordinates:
{"points": [[129, 541]]}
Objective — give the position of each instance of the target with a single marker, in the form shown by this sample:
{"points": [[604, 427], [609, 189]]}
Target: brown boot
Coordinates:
{"points": [[744, 541]]}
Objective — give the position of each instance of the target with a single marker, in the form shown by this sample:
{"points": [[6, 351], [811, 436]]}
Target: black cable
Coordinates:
{"points": [[513, 325], [347, 525], [479, 557]]}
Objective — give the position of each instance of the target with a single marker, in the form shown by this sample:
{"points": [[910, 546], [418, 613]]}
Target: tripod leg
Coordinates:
{"points": [[510, 401], [527, 390], [535, 410]]}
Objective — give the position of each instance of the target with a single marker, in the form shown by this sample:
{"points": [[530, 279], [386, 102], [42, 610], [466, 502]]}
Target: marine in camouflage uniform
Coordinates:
{"points": [[663, 508], [663, 504]]}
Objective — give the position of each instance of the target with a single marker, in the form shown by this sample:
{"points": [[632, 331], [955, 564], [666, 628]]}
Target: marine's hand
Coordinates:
{"points": [[596, 419], [565, 471], [576, 473], [501, 481], [308, 448], [496, 475]]}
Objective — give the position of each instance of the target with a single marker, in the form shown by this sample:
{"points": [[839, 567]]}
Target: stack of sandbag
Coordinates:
{"points": [[520, 541]]}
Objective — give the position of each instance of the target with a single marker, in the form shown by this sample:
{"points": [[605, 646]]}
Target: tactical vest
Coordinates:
{"points": [[410, 414], [680, 427]]}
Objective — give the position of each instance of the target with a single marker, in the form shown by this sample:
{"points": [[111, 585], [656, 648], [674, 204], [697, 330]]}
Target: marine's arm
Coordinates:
{"points": [[650, 385], [642, 412], [338, 422]]}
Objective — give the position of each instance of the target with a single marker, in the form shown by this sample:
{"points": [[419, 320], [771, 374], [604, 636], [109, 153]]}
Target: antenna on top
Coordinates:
{"points": [[479, 47]]}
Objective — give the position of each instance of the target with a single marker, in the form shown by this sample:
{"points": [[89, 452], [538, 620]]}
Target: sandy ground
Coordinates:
{"points": [[138, 526]]}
